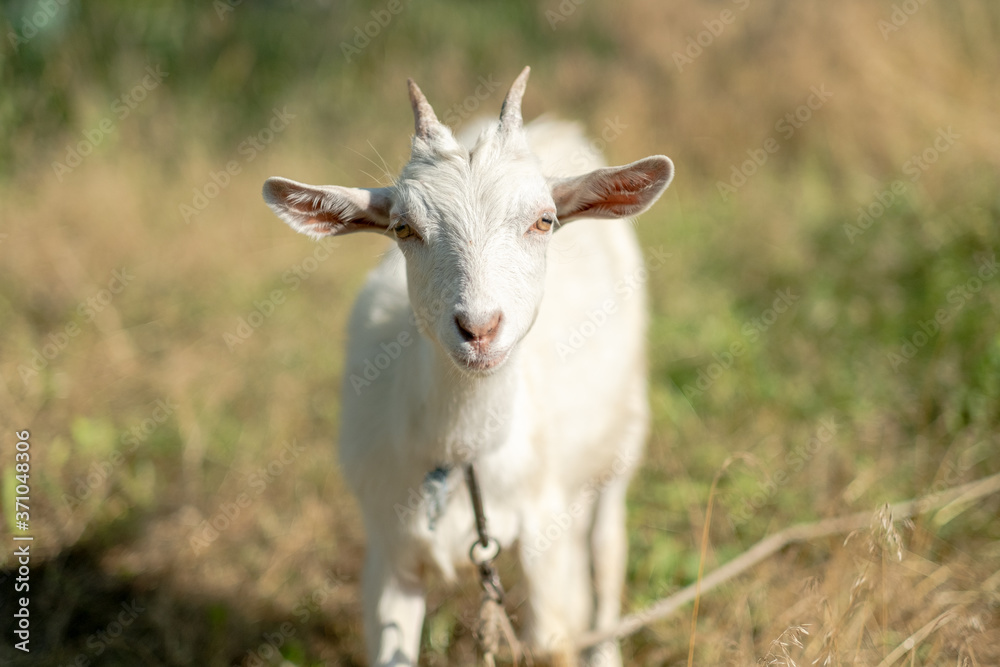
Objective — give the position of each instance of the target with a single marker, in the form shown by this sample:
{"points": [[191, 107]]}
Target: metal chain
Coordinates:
{"points": [[492, 616]]}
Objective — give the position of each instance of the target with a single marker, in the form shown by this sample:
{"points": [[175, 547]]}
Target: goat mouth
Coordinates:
{"points": [[481, 364]]}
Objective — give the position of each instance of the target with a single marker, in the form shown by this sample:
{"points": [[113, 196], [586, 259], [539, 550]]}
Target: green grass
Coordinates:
{"points": [[121, 493]]}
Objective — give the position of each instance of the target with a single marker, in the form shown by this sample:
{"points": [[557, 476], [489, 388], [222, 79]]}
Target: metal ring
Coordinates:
{"points": [[472, 551]]}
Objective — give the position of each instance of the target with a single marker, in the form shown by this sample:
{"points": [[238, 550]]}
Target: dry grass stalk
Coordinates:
{"points": [[778, 653], [771, 545]]}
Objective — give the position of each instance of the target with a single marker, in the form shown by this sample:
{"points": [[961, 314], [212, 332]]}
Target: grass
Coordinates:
{"points": [[156, 417]]}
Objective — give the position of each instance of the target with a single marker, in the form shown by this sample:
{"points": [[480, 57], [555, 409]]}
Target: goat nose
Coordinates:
{"points": [[479, 333]]}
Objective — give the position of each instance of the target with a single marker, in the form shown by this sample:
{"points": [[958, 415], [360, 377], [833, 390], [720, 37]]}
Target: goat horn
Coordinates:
{"points": [[510, 112], [424, 120]]}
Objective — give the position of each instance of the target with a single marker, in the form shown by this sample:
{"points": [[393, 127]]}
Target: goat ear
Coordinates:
{"points": [[613, 192], [324, 210]]}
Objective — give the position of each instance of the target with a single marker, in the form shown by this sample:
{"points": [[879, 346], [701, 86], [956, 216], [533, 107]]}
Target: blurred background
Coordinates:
{"points": [[830, 307]]}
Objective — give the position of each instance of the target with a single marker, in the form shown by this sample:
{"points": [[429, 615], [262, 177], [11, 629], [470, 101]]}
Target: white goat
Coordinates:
{"points": [[459, 352]]}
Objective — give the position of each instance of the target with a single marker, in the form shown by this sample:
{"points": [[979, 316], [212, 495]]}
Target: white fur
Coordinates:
{"points": [[555, 432]]}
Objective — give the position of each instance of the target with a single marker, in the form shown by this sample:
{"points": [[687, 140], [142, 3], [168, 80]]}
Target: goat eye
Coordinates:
{"points": [[544, 223], [403, 231]]}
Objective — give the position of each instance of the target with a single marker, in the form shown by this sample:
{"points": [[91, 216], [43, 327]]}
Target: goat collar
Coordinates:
{"points": [[485, 549], [436, 493]]}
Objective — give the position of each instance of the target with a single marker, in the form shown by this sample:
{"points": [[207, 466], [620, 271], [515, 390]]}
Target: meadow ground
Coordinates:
{"points": [[829, 312]]}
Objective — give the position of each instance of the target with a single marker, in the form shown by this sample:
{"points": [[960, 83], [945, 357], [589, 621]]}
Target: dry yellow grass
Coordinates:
{"points": [[118, 519]]}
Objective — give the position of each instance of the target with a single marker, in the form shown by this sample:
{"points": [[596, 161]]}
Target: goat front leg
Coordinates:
{"points": [[394, 607], [554, 558]]}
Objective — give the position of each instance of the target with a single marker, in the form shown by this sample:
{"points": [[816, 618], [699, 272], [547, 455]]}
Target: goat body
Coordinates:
{"points": [[495, 341]]}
